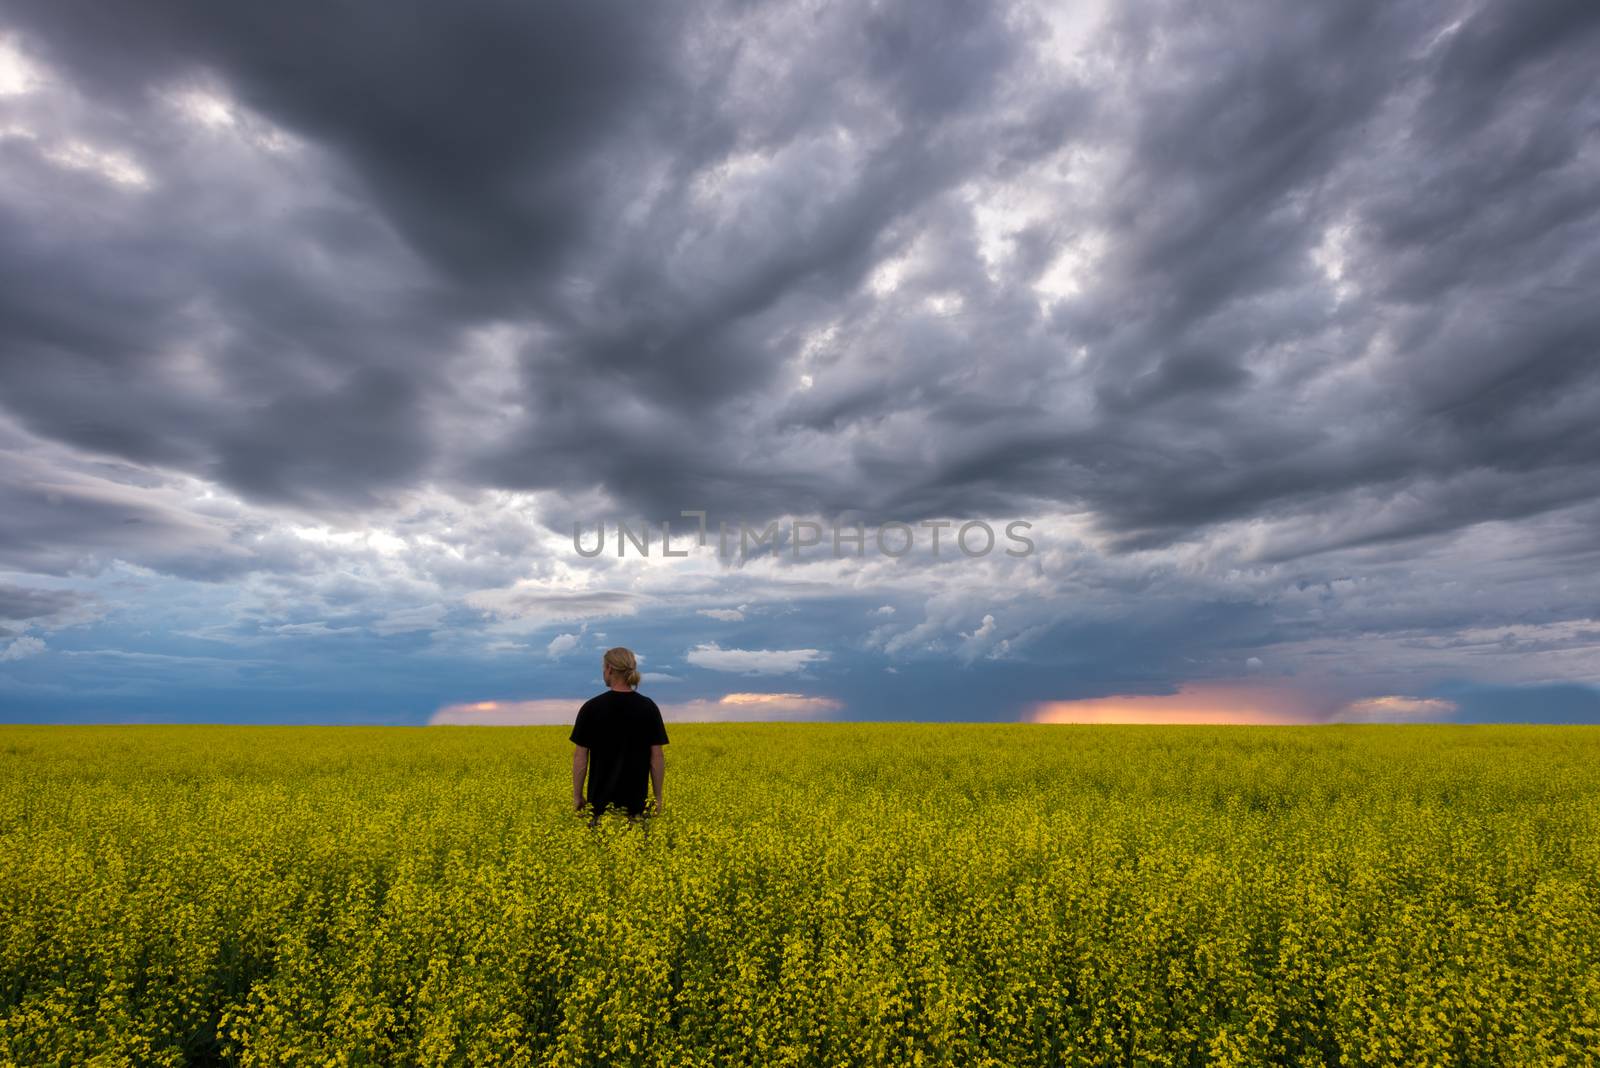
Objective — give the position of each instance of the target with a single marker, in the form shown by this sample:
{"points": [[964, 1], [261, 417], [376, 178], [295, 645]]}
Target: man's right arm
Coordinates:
{"points": [[580, 768], [658, 772]]}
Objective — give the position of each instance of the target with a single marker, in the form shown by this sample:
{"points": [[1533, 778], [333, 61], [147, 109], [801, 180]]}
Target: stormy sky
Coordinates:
{"points": [[321, 326]]}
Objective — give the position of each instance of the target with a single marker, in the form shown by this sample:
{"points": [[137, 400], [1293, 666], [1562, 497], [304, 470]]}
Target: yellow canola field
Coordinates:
{"points": [[815, 894]]}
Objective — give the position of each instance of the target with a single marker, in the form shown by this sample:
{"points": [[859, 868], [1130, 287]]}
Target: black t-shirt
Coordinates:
{"points": [[618, 728]]}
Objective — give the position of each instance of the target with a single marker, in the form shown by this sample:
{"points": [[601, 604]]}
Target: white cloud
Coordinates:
{"points": [[205, 108], [1395, 709], [17, 74], [751, 706], [300, 630], [548, 710], [561, 710], [537, 602], [885, 610], [111, 165], [982, 640], [404, 620], [23, 647], [727, 615], [753, 661], [562, 644]]}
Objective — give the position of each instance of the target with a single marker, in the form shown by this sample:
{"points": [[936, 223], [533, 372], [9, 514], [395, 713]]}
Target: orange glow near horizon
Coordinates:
{"points": [[1245, 703]]}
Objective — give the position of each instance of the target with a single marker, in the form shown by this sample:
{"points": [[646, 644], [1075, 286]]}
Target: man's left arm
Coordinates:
{"points": [[580, 768]]}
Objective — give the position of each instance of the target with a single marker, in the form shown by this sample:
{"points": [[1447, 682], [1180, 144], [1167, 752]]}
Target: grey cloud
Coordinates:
{"points": [[55, 526], [686, 208], [159, 340], [260, 321], [41, 607], [472, 131]]}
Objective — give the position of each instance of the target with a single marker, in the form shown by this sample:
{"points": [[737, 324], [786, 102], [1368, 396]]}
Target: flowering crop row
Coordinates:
{"points": [[816, 894]]}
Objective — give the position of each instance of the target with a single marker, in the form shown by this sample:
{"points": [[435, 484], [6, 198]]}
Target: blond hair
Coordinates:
{"points": [[623, 665]]}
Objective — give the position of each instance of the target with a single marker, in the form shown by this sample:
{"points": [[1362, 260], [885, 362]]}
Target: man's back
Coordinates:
{"points": [[618, 727]]}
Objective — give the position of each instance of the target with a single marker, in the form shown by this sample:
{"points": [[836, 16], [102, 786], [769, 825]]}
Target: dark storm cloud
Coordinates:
{"points": [[474, 130], [1523, 704], [195, 331], [1251, 144], [657, 382], [285, 326], [31, 606], [1341, 259]]}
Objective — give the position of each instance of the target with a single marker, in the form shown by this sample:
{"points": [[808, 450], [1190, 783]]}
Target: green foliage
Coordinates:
{"points": [[816, 894]]}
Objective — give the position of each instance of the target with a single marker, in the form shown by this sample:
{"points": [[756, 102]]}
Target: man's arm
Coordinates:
{"points": [[658, 772], [580, 768]]}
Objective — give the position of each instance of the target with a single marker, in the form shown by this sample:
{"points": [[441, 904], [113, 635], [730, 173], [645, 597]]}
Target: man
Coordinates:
{"points": [[618, 737]]}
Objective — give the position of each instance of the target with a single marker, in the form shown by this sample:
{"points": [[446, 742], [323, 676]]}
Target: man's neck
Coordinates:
{"points": [[623, 689]]}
